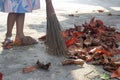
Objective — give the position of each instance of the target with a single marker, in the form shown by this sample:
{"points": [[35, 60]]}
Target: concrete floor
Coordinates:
{"points": [[14, 60]]}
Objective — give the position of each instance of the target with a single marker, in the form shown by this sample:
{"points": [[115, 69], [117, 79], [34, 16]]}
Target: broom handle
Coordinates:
{"points": [[49, 7]]}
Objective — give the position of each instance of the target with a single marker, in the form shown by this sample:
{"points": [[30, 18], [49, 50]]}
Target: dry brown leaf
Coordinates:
{"points": [[116, 73]]}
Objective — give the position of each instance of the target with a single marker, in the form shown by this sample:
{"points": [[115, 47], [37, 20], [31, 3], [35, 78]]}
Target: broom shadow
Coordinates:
{"points": [[108, 20]]}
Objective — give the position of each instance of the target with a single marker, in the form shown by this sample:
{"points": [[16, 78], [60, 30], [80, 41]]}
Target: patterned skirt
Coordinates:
{"points": [[19, 6]]}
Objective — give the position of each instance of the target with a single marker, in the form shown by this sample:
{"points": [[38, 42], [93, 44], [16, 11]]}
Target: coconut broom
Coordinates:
{"points": [[54, 40]]}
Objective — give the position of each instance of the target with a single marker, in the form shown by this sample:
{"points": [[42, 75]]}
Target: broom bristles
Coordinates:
{"points": [[54, 40]]}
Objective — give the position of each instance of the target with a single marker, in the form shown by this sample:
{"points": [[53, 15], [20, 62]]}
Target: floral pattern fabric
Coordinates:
{"points": [[19, 6]]}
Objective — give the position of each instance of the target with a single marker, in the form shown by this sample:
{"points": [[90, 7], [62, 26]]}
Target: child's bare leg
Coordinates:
{"points": [[20, 38], [20, 25], [10, 23]]}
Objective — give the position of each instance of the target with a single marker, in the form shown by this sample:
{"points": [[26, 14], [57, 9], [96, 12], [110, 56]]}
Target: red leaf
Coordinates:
{"points": [[71, 41], [64, 34], [116, 73], [1, 75], [78, 34], [74, 39], [107, 53]]}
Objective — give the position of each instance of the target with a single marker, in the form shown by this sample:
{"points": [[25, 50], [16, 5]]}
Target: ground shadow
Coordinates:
{"points": [[80, 18], [39, 27], [24, 56]]}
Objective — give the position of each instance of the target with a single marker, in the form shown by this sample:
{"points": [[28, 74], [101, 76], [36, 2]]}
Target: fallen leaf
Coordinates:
{"points": [[89, 58], [64, 34], [100, 11], [1, 76], [71, 15], [92, 22], [107, 53], [71, 41], [116, 73], [110, 14]]}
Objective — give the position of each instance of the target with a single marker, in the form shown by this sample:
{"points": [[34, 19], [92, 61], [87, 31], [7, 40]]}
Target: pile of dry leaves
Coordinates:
{"points": [[94, 42]]}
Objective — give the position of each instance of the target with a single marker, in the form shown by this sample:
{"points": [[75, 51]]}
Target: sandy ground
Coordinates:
{"points": [[14, 60]]}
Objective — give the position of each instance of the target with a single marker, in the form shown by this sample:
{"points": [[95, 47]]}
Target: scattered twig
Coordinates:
{"points": [[89, 73]]}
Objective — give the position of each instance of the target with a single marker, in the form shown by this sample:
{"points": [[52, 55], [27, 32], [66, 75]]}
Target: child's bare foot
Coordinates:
{"points": [[8, 43]]}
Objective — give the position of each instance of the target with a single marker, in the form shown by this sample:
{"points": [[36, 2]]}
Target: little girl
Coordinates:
{"points": [[16, 10]]}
